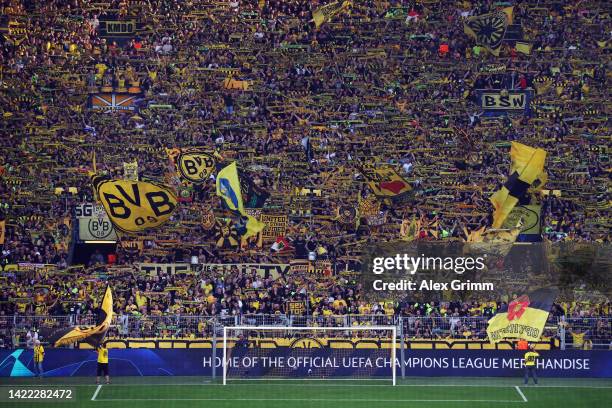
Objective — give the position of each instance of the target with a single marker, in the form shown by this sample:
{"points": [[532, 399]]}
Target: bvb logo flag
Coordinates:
{"points": [[489, 29], [133, 206], [194, 165], [527, 167], [92, 335], [523, 318]]}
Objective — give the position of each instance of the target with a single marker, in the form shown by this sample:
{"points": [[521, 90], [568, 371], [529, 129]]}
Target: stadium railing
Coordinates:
{"points": [[592, 332], [586, 332]]}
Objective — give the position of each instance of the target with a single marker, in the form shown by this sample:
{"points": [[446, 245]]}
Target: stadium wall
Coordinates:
{"points": [[194, 362]]}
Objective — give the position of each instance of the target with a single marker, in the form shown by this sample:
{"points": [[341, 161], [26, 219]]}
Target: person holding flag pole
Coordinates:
{"points": [[530, 360]]}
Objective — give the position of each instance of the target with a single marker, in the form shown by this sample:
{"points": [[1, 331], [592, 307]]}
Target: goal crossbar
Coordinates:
{"points": [[391, 329]]}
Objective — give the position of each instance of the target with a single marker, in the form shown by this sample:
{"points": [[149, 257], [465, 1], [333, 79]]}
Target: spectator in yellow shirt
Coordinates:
{"points": [[339, 304], [39, 356], [102, 364], [531, 357], [578, 338]]}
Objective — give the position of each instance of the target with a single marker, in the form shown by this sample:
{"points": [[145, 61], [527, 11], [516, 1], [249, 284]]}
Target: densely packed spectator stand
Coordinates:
{"points": [[303, 110]]}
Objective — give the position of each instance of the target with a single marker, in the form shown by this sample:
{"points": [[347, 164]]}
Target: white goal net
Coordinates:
{"points": [[268, 352]]}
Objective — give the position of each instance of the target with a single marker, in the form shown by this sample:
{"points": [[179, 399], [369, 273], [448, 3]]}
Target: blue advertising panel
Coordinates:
{"points": [[305, 362]]}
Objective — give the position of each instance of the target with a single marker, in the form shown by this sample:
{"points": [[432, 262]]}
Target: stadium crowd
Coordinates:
{"points": [[302, 109]]}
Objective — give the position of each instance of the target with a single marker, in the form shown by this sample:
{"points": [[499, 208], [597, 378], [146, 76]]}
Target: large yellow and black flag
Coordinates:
{"points": [[93, 335], [523, 318], [527, 167], [134, 206], [489, 29], [228, 188]]}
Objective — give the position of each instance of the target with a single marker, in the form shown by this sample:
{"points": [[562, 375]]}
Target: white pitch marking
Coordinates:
{"points": [[520, 393], [302, 399], [96, 393]]}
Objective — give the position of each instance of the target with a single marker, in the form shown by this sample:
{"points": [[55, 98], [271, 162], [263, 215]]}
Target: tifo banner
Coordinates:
{"points": [[496, 102], [115, 29], [317, 268], [276, 226], [155, 269], [111, 102], [335, 362], [296, 307], [264, 270]]}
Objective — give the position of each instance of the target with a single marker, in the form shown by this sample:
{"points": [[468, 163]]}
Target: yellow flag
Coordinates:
{"points": [[231, 83], [325, 13], [2, 231], [134, 206], [524, 318], [228, 188], [92, 335], [409, 229], [527, 166], [385, 182], [523, 48]]}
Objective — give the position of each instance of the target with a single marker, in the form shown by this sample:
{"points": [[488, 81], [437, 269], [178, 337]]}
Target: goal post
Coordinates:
{"points": [[283, 352]]}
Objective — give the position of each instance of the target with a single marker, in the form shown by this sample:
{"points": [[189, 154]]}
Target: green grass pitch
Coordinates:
{"points": [[148, 392]]}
